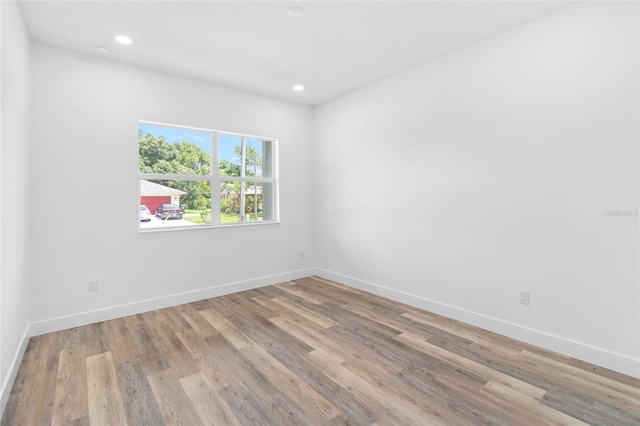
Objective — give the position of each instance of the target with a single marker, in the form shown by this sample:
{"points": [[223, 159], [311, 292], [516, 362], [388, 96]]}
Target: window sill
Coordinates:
{"points": [[173, 228]]}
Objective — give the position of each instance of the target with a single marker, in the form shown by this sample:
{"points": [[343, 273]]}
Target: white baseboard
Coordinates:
{"points": [[91, 317], [13, 369], [593, 355]]}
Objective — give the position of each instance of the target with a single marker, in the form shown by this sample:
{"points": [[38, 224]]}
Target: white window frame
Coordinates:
{"points": [[215, 179]]}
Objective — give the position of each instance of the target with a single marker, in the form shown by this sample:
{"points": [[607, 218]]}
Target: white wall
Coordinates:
{"points": [[84, 168], [14, 192], [456, 184]]}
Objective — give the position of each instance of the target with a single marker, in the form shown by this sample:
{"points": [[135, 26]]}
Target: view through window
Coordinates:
{"points": [[195, 177]]}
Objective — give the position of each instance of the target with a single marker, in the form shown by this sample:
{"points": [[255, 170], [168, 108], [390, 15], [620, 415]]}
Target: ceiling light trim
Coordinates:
{"points": [[294, 11], [123, 39]]}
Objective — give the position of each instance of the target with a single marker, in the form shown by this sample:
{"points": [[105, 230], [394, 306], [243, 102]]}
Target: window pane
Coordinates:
{"points": [[229, 154], [172, 150], [253, 155], [267, 201], [230, 202], [267, 159], [257, 154], [234, 207], [253, 202], [170, 203]]}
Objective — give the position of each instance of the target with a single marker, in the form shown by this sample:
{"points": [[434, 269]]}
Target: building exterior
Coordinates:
{"points": [[153, 195]]}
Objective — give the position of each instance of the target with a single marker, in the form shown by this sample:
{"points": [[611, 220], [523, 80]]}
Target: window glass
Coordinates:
{"points": [[169, 150], [257, 156], [180, 188], [173, 203]]}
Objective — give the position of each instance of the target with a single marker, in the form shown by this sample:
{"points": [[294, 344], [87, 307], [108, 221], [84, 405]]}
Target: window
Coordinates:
{"points": [[196, 177]]}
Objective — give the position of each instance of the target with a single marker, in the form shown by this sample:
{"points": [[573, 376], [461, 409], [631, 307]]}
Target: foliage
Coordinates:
{"points": [[205, 215], [253, 160], [228, 168], [229, 205], [250, 206], [156, 155]]}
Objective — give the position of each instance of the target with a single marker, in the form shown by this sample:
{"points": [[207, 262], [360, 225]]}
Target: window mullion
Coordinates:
{"points": [[215, 180], [243, 174]]}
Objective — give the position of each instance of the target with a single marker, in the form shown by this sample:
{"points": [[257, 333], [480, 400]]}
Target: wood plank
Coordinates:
{"points": [[371, 315], [208, 359], [174, 403], [226, 328], [245, 406], [588, 410], [120, 342], [210, 406], [459, 394], [37, 381], [196, 321], [175, 319], [316, 407], [268, 335], [471, 334], [610, 391], [310, 337], [352, 407], [99, 342], [595, 369], [389, 408], [71, 387], [291, 288], [73, 338], [140, 405], [104, 399], [312, 316], [528, 411], [142, 340], [177, 357], [281, 408], [487, 373], [247, 304], [338, 294]]}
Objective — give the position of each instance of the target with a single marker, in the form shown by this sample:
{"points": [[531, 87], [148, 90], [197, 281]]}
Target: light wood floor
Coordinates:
{"points": [[306, 352]]}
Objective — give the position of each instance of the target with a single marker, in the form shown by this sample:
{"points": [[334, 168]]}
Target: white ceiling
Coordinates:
{"points": [[334, 47]]}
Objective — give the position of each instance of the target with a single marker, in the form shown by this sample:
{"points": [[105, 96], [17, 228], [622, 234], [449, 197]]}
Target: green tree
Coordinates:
{"points": [[194, 158], [156, 155], [153, 149], [228, 168], [252, 159]]}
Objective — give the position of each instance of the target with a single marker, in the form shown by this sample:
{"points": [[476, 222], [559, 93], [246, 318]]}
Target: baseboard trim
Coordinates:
{"points": [[90, 317], [13, 369], [593, 355]]}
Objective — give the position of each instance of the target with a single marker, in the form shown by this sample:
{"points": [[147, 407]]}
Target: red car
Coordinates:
{"points": [[172, 211]]}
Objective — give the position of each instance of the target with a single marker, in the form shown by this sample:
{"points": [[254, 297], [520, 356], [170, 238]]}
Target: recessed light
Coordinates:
{"points": [[298, 87], [123, 39], [103, 50], [294, 11]]}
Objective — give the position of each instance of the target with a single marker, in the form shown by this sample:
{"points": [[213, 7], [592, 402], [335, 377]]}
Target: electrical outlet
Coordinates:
{"points": [[524, 297], [93, 285]]}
